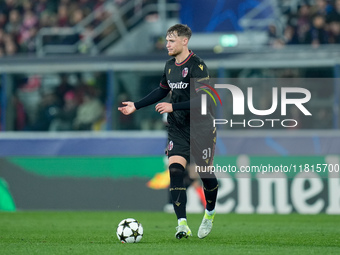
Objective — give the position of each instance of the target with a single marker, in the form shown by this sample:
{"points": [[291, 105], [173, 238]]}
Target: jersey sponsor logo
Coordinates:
{"points": [[185, 72], [177, 85], [201, 67], [170, 145]]}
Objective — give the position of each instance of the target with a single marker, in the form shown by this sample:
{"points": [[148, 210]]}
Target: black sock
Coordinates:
{"points": [[177, 189], [210, 186]]}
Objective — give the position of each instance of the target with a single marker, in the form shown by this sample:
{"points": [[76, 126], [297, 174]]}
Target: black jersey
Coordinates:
{"points": [[176, 77]]}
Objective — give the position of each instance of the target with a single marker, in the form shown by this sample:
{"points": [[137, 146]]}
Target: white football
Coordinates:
{"points": [[129, 231]]}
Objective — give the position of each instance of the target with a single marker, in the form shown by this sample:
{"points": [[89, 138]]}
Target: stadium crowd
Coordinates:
{"points": [[80, 106], [315, 22], [59, 102], [20, 20]]}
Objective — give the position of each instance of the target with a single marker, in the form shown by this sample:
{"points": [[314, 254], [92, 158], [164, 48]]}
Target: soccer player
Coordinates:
{"points": [[184, 138]]}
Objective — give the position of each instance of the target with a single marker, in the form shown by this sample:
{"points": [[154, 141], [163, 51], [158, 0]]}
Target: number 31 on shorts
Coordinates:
{"points": [[206, 153]]}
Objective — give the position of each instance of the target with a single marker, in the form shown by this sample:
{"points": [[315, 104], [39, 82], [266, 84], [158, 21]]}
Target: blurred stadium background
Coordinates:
{"points": [[66, 65]]}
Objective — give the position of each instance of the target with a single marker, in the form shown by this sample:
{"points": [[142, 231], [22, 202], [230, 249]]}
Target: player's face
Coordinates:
{"points": [[175, 44]]}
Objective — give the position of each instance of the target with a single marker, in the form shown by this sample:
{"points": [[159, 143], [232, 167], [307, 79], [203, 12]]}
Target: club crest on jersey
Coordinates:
{"points": [[170, 145], [185, 72]]}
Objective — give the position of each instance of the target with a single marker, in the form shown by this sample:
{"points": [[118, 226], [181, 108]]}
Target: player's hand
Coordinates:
{"points": [[128, 108], [164, 107]]}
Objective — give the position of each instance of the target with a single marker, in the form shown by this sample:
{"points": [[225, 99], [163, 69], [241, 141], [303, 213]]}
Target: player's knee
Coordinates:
{"points": [[176, 169]]}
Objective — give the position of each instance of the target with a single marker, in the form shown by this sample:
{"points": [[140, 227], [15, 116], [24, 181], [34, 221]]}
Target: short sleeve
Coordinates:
{"points": [[201, 75], [200, 70]]}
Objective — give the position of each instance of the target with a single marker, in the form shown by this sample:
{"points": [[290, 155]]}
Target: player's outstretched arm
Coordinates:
{"points": [[128, 108]]}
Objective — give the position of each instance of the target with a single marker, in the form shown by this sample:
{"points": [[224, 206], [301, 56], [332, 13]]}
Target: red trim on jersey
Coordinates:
{"points": [[163, 86], [185, 60]]}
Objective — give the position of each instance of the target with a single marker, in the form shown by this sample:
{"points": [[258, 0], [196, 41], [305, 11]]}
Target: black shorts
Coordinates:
{"points": [[199, 149]]}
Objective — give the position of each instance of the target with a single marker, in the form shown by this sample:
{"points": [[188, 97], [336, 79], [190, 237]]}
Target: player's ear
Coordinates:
{"points": [[185, 41]]}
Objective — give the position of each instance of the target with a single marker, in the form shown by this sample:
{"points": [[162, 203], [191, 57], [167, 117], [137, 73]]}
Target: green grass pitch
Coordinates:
{"points": [[94, 233]]}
